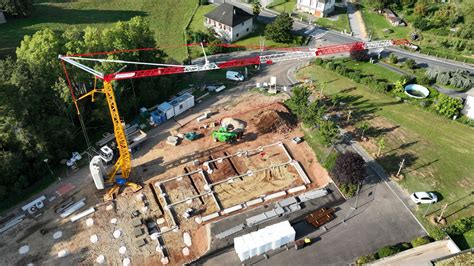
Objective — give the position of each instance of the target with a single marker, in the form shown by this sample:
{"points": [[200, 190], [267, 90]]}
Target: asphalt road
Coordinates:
{"points": [[380, 219], [266, 16]]}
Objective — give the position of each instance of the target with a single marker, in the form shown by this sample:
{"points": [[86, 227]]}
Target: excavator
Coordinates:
{"points": [[120, 172]]}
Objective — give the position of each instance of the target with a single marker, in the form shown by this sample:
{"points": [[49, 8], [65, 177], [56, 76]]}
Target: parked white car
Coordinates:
{"points": [[424, 197]]}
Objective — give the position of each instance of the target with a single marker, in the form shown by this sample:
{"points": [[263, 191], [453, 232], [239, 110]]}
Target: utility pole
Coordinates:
{"points": [[357, 197], [401, 166]]}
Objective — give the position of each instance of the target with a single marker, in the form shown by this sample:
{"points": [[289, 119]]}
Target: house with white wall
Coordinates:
{"points": [[229, 22], [319, 8]]}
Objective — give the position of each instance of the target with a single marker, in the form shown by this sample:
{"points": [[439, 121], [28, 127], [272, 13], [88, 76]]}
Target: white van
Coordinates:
{"points": [[234, 75]]}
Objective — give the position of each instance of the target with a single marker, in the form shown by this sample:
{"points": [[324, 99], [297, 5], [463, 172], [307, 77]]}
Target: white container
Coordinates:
{"points": [[182, 103], [251, 245], [241, 248], [96, 167], [167, 109]]}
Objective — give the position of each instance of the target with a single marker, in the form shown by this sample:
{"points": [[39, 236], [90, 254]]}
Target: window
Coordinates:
{"points": [[180, 106], [247, 29], [237, 35]]}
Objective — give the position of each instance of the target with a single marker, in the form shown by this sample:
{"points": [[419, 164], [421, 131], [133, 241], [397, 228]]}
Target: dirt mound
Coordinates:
{"points": [[281, 121]]}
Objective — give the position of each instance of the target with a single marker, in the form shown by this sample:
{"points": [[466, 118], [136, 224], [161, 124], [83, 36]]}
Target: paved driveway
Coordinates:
{"points": [[380, 219]]}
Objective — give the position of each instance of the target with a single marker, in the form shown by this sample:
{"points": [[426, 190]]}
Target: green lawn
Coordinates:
{"points": [[367, 68], [438, 151], [164, 17], [376, 24], [285, 6], [341, 24], [197, 23]]}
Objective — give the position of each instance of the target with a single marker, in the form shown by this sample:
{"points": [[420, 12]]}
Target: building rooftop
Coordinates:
{"points": [[229, 15], [422, 255]]}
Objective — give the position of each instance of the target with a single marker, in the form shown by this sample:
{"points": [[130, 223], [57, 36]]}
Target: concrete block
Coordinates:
{"points": [[210, 216], [257, 219], [271, 214], [230, 231], [275, 195], [296, 189], [232, 209], [254, 201], [314, 194], [287, 202]]}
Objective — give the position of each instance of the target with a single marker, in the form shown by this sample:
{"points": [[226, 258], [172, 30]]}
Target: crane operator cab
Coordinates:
{"points": [[106, 154]]}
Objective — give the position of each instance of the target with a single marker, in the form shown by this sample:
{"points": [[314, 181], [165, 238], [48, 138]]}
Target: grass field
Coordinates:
{"points": [[164, 17], [197, 23], [438, 151], [287, 6], [376, 24], [373, 69]]}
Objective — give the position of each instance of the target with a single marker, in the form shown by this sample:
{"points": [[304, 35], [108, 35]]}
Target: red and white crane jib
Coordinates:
{"points": [[166, 69]]}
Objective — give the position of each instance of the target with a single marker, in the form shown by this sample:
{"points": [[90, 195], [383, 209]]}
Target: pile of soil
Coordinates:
{"points": [[272, 121]]}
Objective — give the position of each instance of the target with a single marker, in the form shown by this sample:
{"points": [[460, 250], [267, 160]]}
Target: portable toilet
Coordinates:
{"points": [[167, 109]]}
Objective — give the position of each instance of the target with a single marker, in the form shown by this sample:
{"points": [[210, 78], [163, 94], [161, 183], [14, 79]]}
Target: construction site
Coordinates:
{"points": [[186, 186], [241, 154]]}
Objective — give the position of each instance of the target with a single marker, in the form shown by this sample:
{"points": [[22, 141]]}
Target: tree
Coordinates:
{"points": [[420, 9], [256, 8], [410, 63], [214, 47], [381, 146], [363, 128], [446, 14], [448, 106], [360, 55], [314, 114], [349, 168], [329, 131], [280, 29], [393, 59], [298, 103], [17, 7], [377, 4], [422, 23]]}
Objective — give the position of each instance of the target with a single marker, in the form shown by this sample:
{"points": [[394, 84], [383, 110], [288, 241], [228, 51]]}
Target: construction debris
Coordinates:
{"points": [[57, 235], [24, 249], [117, 233], [187, 239], [122, 250], [100, 259], [62, 253], [94, 239], [82, 214], [90, 222], [275, 121]]}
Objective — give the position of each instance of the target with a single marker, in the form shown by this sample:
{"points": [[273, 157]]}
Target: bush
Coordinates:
{"points": [[461, 226], [437, 234], [387, 251], [330, 65], [362, 260], [349, 190], [420, 241], [422, 23], [355, 76], [448, 106], [405, 246], [381, 86], [349, 168], [409, 79], [318, 61], [424, 80], [341, 70], [393, 59], [410, 63]]}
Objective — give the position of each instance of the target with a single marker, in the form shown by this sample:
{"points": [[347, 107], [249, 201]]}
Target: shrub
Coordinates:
{"points": [[381, 86], [349, 190], [410, 63], [461, 226], [438, 234], [405, 246], [420, 241], [365, 259], [448, 106], [409, 79], [318, 61], [424, 80], [341, 70], [355, 76], [349, 168], [393, 59], [330, 65], [387, 251], [422, 23], [367, 80]]}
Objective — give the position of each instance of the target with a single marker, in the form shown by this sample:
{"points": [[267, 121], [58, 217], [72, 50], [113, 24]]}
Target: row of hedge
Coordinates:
{"points": [[436, 102], [392, 250]]}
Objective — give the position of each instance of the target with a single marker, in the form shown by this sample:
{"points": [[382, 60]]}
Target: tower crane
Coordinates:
{"points": [[123, 163]]}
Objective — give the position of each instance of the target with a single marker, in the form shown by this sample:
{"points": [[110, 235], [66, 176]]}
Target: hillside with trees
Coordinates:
{"points": [[37, 116]]}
